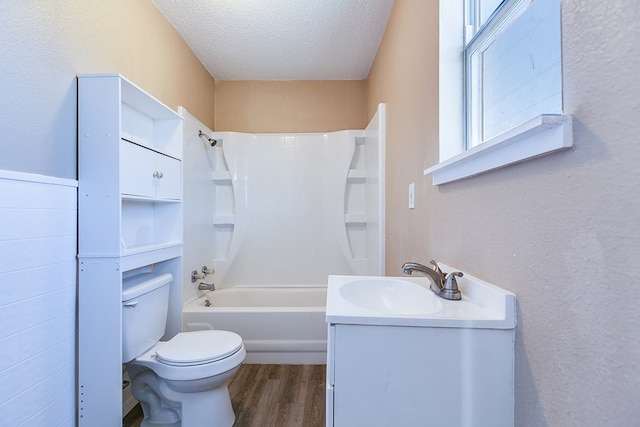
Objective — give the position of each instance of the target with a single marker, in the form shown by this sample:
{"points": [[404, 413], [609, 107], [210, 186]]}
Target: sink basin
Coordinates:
{"points": [[391, 296], [408, 301]]}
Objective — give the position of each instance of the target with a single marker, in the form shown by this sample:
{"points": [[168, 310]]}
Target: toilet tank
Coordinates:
{"points": [[145, 303]]}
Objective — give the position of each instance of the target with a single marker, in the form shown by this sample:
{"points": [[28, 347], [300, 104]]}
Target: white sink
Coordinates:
{"points": [[393, 345], [408, 301], [392, 296]]}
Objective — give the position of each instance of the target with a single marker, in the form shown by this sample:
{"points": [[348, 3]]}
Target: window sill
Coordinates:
{"points": [[540, 136]]}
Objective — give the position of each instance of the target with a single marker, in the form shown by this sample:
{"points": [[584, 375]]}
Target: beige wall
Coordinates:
{"points": [[560, 231], [290, 106], [405, 77], [45, 44]]}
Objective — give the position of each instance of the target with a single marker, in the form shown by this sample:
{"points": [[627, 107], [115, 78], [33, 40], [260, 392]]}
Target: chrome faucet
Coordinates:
{"points": [[206, 287], [445, 286]]}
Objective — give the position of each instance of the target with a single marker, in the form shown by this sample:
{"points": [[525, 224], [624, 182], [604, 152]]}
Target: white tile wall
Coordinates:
{"points": [[37, 300]]}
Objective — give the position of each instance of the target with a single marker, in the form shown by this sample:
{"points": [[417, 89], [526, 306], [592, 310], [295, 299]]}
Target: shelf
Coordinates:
{"points": [[142, 142], [151, 254], [148, 122], [355, 219], [141, 100], [224, 220], [149, 248], [134, 198], [221, 176], [357, 175], [145, 224]]}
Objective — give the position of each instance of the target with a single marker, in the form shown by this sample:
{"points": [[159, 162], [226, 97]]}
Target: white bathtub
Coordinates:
{"points": [[283, 325]]}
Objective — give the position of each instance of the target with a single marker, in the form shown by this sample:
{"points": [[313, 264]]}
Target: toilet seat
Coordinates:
{"points": [[198, 347], [215, 352]]}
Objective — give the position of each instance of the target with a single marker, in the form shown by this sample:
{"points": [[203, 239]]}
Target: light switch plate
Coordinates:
{"points": [[412, 195]]}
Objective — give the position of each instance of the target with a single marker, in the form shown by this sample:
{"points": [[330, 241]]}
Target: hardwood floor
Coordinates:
{"points": [[279, 395], [273, 396]]}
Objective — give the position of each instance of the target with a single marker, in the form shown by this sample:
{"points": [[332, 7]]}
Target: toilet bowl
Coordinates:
{"points": [[182, 381]]}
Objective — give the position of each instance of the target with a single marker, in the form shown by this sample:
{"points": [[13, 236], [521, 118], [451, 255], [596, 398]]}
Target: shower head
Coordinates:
{"points": [[210, 140]]}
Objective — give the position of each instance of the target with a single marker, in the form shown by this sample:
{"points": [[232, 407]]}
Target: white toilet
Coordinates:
{"points": [[180, 382]]}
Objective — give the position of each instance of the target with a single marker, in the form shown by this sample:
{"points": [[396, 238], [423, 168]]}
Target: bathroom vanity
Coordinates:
{"points": [[392, 361]]}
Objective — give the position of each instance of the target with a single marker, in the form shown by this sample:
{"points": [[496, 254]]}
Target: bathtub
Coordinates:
{"points": [[282, 325]]}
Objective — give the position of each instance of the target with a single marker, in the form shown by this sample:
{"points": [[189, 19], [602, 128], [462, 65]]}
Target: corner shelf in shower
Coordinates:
{"points": [[356, 175], [221, 176], [222, 220], [355, 219]]}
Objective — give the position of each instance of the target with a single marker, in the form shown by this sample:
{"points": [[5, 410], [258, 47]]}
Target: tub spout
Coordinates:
{"points": [[206, 287], [445, 286]]}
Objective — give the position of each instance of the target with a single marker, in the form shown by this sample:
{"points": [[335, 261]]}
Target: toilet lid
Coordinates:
{"points": [[198, 347]]}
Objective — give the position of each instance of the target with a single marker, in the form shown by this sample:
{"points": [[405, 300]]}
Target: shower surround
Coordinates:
{"points": [[289, 210]]}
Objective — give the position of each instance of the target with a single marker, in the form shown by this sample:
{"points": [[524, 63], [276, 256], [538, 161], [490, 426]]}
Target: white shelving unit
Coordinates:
{"points": [[130, 221]]}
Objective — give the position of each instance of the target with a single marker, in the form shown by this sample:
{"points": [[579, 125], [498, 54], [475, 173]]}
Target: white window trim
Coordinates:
{"points": [[542, 135], [538, 137]]}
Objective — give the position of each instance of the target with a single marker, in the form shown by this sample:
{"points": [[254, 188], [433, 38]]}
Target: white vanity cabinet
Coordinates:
{"points": [[381, 376], [130, 221], [393, 363]]}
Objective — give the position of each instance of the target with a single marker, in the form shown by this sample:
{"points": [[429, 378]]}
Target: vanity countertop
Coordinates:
{"points": [[482, 305]]}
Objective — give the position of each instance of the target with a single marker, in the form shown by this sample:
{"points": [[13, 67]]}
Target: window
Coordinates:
{"points": [[508, 108]]}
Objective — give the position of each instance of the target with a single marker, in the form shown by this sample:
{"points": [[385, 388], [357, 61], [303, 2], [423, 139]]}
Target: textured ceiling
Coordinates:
{"points": [[281, 39]]}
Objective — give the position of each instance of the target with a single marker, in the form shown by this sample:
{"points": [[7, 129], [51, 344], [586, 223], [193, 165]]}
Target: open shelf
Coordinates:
{"points": [[356, 175], [221, 176], [355, 218], [224, 220]]}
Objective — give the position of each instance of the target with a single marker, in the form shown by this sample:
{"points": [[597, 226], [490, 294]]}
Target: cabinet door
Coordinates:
{"points": [[169, 182], [137, 168]]}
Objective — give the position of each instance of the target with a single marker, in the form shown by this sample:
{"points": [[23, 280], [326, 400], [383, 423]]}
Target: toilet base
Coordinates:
{"points": [[210, 408], [149, 423], [167, 403]]}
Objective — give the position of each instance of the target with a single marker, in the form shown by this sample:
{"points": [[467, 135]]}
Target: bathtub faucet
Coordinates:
{"points": [[206, 287], [445, 286]]}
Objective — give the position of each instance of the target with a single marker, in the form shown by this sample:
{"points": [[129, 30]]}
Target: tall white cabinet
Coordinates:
{"points": [[130, 221]]}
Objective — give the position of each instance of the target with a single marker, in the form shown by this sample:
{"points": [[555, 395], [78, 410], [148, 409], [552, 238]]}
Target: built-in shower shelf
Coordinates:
{"points": [[355, 218], [221, 176], [356, 175], [224, 220]]}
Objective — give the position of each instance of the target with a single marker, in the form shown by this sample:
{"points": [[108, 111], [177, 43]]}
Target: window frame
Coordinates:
{"points": [[537, 137]]}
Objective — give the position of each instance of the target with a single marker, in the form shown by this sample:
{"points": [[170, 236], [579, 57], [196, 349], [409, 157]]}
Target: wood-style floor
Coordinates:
{"points": [[272, 396]]}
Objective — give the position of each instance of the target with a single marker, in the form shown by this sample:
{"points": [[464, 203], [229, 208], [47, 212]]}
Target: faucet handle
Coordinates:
{"points": [[436, 267], [451, 290], [195, 276]]}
